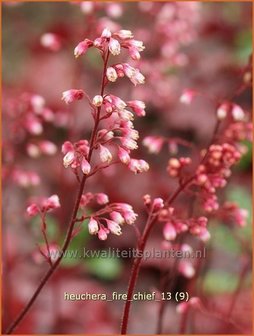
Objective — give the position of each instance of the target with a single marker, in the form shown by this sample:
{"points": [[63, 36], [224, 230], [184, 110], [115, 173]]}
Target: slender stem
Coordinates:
{"points": [[47, 246], [238, 289], [72, 222], [135, 272], [137, 261], [183, 322], [143, 240]]}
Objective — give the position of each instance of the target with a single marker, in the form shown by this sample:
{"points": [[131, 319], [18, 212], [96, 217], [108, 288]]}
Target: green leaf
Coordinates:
{"points": [[219, 282], [223, 239], [246, 159], [104, 268], [243, 44], [52, 227], [74, 255]]}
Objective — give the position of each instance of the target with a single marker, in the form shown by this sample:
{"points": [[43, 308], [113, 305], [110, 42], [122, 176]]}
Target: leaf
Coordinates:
{"points": [[74, 254], [52, 227], [223, 239], [243, 44], [104, 268], [246, 160], [218, 282]]}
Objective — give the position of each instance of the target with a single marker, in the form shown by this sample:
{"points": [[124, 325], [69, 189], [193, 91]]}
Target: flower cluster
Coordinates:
{"points": [[231, 110], [43, 206], [193, 303], [75, 155], [175, 226], [109, 218], [213, 173], [24, 178], [239, 131], [124, 69], [175, 166], [230, 212], [114, 112], [42, 147], [185, 266], [112, 9], [112, 42], [33, 112], [154, 144]]}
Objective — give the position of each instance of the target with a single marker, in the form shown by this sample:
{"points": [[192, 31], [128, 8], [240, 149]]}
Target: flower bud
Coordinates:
{"points": [[105, 154], [102, 198], [93, 227], [111, 74], [97, 100], [85, 166], [32, 210]]}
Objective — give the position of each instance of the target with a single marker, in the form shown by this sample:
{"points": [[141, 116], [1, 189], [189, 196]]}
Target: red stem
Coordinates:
{"points": [[136, 264], [143, 240], [72, 222]]}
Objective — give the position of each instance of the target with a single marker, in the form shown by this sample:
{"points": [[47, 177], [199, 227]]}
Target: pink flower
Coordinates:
{"points": [[33, 150], [138, 107], [169, 231], [234, 214], [87, 7], [93, 227], [105, 154], [124, 34], [67, 147], [38, 104], [182, 307], [222, 111], [68, 159], [86, 199], [123, 155], [129, 143], [186, 269], [85, 166], [48, 147], [158, 204], [117, 217], [133, 74], [130, 216], [70, 96], [97, 100], [134, 48], [25, 179], [102, 198], [103, 233], [237, 113], [111, 74], [114, 10], [187, 96], [82, 47], [153, 143], [51, 203], [115, 102], [50, 41], [114, 47], [114, 227], [32, 210], [138, 166], [33, 125], [106, 33]]}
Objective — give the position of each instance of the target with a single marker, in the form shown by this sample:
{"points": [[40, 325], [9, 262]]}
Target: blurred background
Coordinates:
{"points": [[202, 46]]}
